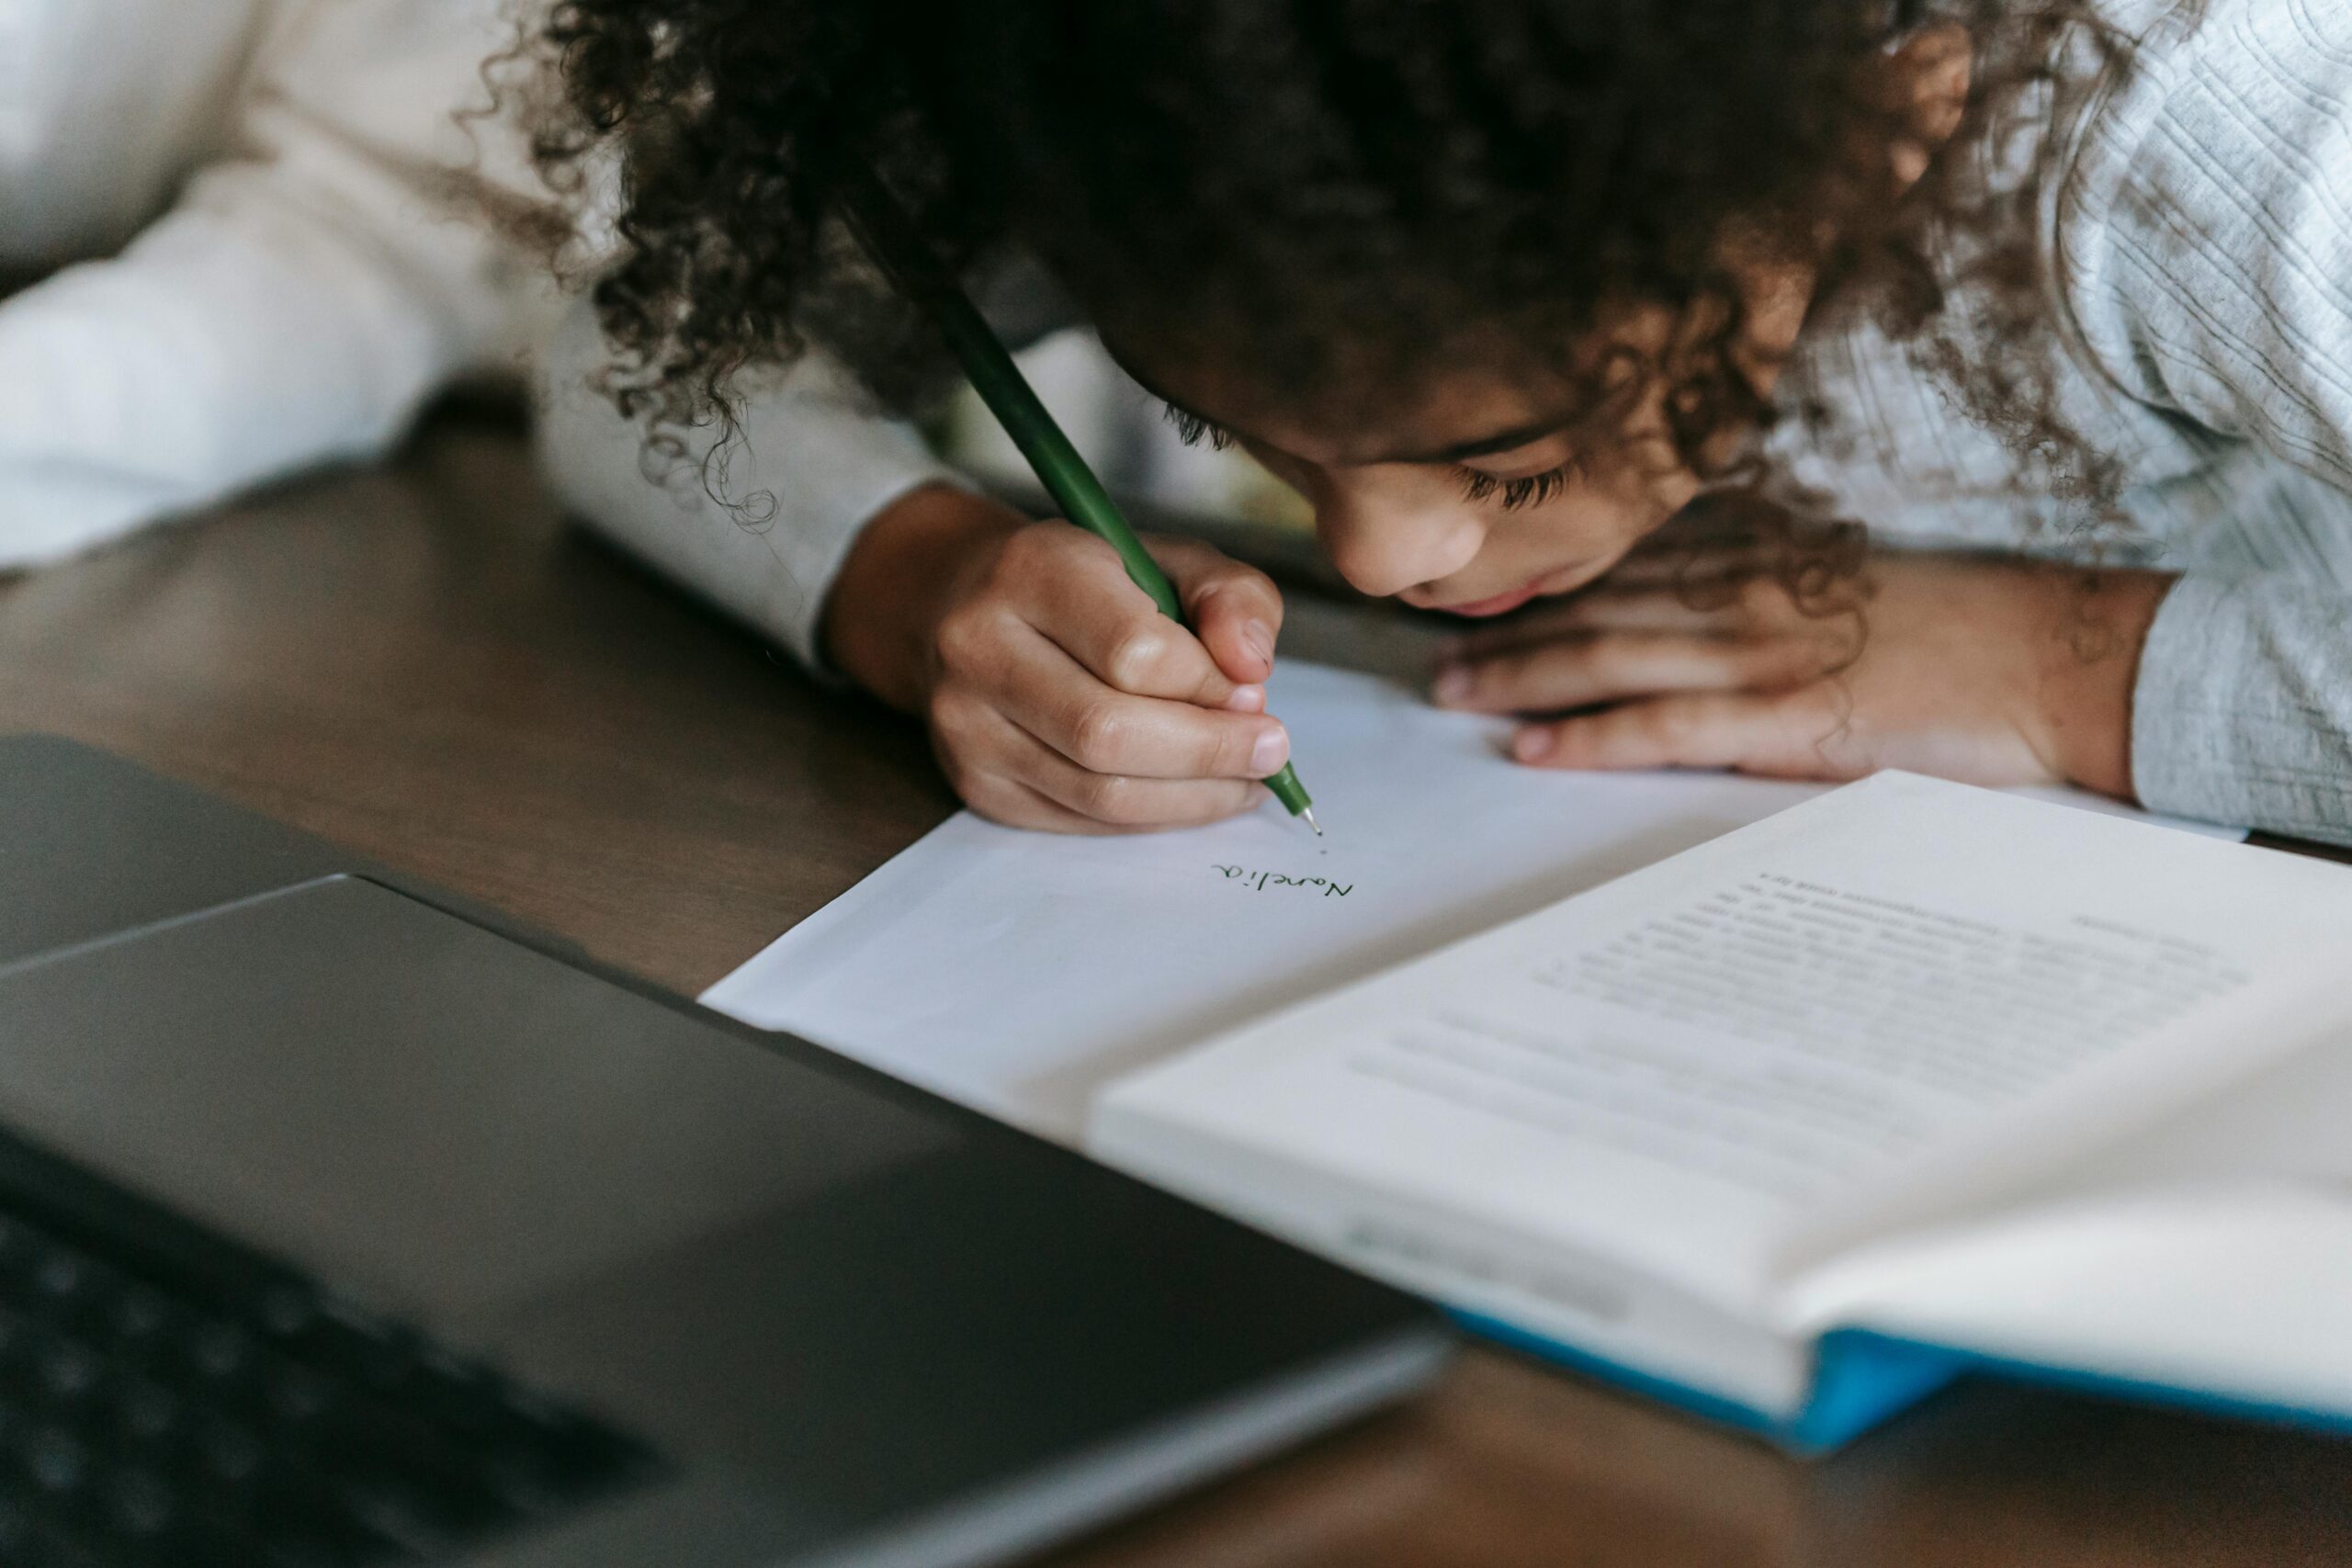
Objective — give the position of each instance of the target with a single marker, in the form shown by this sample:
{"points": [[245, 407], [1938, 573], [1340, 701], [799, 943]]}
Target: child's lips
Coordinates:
{"points": [[1500, 604], [1559, 581]]}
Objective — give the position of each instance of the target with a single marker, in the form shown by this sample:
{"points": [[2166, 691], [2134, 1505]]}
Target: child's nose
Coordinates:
{"points": [[1384, 543]]}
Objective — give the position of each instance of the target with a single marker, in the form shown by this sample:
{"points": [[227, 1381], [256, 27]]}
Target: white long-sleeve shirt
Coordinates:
{"points": [[2201, 267], [249, 246]]}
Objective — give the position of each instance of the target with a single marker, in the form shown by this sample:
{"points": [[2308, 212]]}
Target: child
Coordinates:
{"points": [[243, 244], [1502, 289]]}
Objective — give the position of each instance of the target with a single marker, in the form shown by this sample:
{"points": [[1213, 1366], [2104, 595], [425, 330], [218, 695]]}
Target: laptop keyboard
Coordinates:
{"points": [[156, 1414]]}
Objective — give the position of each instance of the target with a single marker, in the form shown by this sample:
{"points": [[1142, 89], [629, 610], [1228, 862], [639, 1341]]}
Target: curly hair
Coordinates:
{"points": [[1359, 191]]}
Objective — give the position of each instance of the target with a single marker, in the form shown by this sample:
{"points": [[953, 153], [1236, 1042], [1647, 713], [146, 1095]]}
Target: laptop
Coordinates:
{"points": [[345, 1221]]}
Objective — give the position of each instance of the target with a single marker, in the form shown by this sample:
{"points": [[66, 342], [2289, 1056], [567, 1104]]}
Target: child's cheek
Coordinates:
{"points": [[1608, 518]]}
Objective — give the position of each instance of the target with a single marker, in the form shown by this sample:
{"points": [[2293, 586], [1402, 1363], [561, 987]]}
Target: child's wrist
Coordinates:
{"points": [[2098, 625], [898, 581]]}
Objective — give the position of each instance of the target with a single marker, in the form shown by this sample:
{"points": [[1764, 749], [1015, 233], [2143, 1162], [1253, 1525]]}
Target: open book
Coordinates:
{"points": [[1799, 1123], [1790, 1126]]}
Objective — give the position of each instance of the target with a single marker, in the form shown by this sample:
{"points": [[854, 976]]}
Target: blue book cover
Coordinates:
{"points": [[1863, 1378]]}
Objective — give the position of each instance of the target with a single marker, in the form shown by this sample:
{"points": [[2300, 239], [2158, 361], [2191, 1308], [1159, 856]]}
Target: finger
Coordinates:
{"points": [[1811, 568], [1074, 587], [1713, 534], [1696, 563], [1775, 735], [1723, 609], [1603, 608], [1012, 804], [1757, 610], [1103, 730], [1236, 610], [1121, 801], [1613, 666]]}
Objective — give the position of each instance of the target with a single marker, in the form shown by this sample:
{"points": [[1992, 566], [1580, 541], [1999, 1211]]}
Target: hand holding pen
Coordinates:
{"points": [[1093, 720]]}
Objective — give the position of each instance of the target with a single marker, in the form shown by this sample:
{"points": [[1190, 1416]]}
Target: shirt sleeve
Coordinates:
{"points": [[761, 532], [2205, 252], [310, 288]]}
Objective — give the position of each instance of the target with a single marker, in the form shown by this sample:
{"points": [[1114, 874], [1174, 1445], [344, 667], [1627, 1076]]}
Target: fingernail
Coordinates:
{"points": [[1260, 639], [1531, 745], [1247, 699], [1452, 685], [1271, 752]]}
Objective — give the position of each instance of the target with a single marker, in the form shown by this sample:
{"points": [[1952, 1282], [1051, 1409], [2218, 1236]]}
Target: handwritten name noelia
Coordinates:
{"points": [[1260, 881]]}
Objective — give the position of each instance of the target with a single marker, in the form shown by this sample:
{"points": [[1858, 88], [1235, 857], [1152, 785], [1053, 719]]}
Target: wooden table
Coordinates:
{"points": [[424, 664]]}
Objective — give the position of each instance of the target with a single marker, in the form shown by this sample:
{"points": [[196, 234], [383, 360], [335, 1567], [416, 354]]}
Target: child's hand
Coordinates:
{"points": [[1057, 694], [1990, 671]]}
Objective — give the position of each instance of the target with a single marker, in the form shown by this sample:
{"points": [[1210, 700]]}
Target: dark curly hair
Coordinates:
{"points": [[1356, 190]]}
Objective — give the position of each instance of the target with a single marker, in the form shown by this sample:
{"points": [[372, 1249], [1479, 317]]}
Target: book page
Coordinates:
{"points": [[1019, 972], [2229, 1290], [1696, 1063], [2208, 1249]]}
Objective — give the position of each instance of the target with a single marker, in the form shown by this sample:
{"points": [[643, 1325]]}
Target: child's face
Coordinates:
{"points": [[1484, 498]]}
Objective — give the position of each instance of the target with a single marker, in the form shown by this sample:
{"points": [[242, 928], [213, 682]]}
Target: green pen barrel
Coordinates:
{"points": [[894, 245], [1065, 476]]}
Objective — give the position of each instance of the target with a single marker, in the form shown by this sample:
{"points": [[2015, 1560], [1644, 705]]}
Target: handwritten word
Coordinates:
{"points": [[1258, 881]]}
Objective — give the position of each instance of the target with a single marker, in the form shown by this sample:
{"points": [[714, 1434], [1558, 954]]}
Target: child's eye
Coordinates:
{"points": [[1529, 490], [1191, 429]]}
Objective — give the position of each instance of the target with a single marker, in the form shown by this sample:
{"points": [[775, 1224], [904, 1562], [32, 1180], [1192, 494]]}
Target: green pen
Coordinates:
{"points": [[890, 239]]}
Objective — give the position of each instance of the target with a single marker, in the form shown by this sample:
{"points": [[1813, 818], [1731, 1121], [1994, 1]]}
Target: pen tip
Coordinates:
{"points": [[1307, 815]]}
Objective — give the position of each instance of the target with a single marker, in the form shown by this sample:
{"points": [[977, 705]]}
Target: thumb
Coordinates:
{"points": [[1235, 610]]}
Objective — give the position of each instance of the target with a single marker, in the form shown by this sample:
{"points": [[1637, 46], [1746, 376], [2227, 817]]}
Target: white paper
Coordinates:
{"points": [[1018, 971]]}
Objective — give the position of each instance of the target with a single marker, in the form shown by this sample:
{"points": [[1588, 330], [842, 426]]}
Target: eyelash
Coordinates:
{"points": [[1193, 430], [1528, 490]]}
